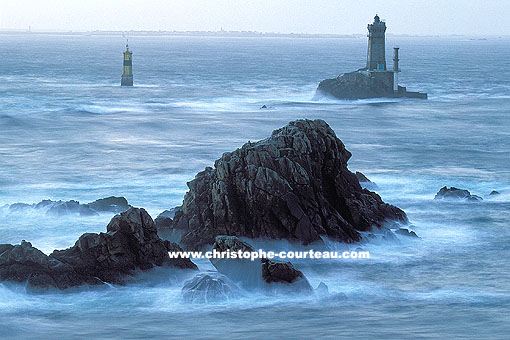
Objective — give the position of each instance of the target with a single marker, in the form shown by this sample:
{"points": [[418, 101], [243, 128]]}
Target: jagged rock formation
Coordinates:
{"points": [[293, 185], [456, 194], [209, 287], [59, 208], [24, 263], [131, 243]]}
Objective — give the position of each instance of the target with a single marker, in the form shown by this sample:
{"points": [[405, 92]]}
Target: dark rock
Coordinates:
{"points": [[361, 85], [61, 208], [389, 236], [109, 204], [209, 287], [253, 273], [179, 262], [284, 278], [276, 271], [5, 247], [293, 185], [24, 263], [406, 232], [170, 213], [263, 107], [494, 193], [131, 243], [365, 182], [231, 243], [362, 178], [58, 208], [355, 85], [45, 204], [162, 222], [455, 194], [381, 235], [165, 219], [20, 207]]}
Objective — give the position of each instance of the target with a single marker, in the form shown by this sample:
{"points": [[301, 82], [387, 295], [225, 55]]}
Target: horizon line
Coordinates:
{"points": [[234, 33]]}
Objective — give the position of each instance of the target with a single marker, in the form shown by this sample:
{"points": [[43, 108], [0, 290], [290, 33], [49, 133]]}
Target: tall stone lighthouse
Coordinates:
{"points": [[374, 80], [127, 69], [376, 58]]}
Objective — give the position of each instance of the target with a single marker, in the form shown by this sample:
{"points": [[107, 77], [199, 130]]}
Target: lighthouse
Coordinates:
{"points": [[374, 80], [376, 59], [396, 69], [127, 69]]}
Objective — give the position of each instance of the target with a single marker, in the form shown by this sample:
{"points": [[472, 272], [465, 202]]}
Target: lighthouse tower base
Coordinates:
{"points": [[126, 81], [364, 84]]}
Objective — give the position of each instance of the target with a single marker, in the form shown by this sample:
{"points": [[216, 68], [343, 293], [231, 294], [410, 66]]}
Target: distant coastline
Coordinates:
{"points": [[233, 34]]}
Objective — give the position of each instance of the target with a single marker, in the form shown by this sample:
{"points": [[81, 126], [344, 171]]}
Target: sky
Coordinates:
{"points": [[432, 17]]}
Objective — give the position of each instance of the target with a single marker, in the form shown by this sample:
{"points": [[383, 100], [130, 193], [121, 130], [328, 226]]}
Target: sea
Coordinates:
{"points": [[69, 131]]}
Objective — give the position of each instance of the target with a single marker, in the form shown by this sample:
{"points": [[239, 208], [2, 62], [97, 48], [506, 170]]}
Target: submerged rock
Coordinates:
{"points": [[456, 194], [65, 208], [406, 232], [293, 185], [131, 243], [244, 271], [389, 236], [209, 287], [109, 204], [60, 208], [257, 273], [322, 289], [381, 235], [19, 207]]}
